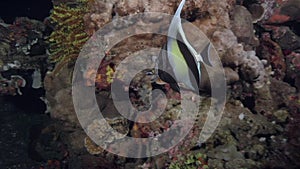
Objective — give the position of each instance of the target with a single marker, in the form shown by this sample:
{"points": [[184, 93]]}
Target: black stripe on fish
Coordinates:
{"points": [[190, 60]]}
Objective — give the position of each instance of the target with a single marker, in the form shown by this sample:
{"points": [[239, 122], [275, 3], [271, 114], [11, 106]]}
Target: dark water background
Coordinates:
{"points": [[22, 118], [34, 9]]}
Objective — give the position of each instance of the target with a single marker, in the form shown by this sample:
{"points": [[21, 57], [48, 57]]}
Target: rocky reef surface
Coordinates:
{"points": [[258, 43]]}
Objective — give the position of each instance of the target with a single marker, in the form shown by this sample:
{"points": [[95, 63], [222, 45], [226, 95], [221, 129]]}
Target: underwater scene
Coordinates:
{"points": [[150, 84]]}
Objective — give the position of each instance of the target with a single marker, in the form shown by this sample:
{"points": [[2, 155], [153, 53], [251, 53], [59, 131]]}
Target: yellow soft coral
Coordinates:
{"points": [[109, 74], [69, 34]]}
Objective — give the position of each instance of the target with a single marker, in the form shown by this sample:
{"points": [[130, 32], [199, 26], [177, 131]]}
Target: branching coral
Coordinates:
{"points": [[69, 35]]}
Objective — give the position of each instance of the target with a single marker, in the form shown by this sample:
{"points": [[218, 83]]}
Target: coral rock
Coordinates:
{"points": [[287, 11], [99, 13], [293, 68], [242, 24], [231, 75], [286, 38], [272, 52]]}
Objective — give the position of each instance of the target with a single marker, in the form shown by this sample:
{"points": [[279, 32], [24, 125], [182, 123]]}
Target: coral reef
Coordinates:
{"points": [[261, 66], [22, 50], [28, 36]]}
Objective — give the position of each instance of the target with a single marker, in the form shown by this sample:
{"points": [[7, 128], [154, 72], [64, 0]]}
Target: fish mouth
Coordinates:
{"points": [[159, 81]]}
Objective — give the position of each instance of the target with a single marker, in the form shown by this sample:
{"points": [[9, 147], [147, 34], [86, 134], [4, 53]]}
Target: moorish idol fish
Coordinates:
{"points": [[180, 58]]}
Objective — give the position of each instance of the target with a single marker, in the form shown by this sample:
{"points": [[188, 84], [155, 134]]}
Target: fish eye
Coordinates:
{"points": [[148, 73]]}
